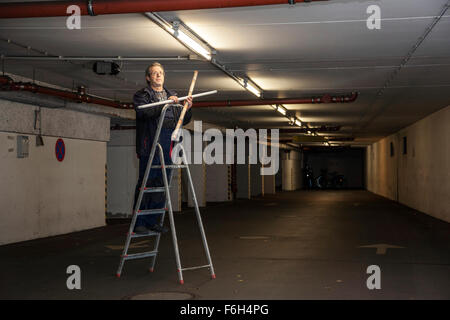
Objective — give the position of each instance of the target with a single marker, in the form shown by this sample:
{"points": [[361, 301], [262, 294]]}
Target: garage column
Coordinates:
{"points": [[218, 172], [291, 170], [198, 174]]}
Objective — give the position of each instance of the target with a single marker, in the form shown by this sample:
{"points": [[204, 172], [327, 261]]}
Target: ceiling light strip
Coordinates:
{"points": [[190, 41], [194, 43]]}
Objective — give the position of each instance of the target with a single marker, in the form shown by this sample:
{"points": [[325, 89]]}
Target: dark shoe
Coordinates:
{"points": [[158, 228], [140, 230]]}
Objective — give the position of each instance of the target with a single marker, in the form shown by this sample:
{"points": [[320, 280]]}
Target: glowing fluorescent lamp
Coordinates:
{"points": [[253, 90], [191, 43], [274, 106], [282, 110], [298, 122]]}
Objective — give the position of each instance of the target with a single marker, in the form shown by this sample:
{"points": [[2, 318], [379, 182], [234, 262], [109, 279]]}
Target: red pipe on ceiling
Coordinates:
{"points": [[8, 84], [98, 7], [235, 103]]}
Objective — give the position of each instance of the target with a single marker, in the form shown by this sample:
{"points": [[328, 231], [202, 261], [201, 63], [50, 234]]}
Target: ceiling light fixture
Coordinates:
{"points": [[253, 90], [251, 87], [192, 44], [186, 37], [282, 110], [195, 43]]}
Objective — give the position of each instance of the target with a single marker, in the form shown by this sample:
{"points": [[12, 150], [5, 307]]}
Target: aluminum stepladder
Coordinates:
{"points": [[168, 207]]}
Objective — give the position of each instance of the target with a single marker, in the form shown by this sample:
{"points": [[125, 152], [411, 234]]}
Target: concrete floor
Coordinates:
{"points": [[292, 245]]}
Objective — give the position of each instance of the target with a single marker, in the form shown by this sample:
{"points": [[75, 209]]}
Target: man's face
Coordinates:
{"points": [[156, 76]]}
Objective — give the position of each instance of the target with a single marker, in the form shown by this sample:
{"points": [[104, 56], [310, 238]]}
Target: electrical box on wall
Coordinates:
{"points": [[22, 146]]}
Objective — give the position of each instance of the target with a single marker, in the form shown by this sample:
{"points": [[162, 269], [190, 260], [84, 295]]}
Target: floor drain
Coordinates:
{"points": [[163, 296]]}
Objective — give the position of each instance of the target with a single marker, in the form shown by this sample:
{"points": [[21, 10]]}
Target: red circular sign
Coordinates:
{"points": [[60, 149]]}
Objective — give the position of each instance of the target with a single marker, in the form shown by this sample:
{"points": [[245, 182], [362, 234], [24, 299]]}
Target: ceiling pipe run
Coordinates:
{"points": [[239, 103], [100, 7], [311, 130], [8, 84], [98, 58]]}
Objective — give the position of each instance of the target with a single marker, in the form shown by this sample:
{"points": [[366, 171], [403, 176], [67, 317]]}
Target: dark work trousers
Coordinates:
{"points": [[154, 200]]}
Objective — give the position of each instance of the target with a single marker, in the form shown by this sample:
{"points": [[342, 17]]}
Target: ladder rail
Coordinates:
{"points": [[172, 220], [197, 212], [166, 205], [142, 189]]}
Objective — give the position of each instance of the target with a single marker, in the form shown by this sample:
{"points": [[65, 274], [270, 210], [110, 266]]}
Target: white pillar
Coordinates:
{"points": [[198, 175], [291, 170], [218, 184]]}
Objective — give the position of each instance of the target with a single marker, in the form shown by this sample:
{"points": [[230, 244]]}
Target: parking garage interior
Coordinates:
{"points": [[346, 102]]}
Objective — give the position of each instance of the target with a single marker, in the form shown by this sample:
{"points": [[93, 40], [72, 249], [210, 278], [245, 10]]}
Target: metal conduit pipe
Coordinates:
{"points": [[239, 103], [8, 84], [99, 7]]}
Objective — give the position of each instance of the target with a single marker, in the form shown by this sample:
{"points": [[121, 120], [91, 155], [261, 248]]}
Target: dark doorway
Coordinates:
{"points": [[333, 168]]}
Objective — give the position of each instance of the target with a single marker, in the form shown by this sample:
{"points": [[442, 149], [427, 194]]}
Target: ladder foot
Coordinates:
{"points": [[213, 276], [151, 269], [181, 281], [118, 275]]}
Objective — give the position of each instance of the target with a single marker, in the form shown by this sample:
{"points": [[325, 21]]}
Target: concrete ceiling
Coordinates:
{"points": [[289, 51]]}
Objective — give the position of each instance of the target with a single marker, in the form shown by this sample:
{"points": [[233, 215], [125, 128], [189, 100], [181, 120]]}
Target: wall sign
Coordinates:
{"points": [[60, 149]]}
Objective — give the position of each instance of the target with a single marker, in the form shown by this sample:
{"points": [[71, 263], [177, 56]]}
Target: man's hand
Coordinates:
{"points": [[189, 101], [174, 98]]}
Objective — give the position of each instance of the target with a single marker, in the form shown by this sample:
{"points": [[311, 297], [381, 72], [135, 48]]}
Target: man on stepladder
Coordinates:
{"points": [[146, 125]]}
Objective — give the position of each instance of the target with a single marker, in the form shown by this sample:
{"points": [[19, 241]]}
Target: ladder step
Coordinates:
{"points": [[159, 189], [172, 166], [194, 268], [148, 234], [140, 255], [151, 211]]}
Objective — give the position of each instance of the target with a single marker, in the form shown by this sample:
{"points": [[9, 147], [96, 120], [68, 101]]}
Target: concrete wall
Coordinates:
{"points": [[279, 175], [243, 181], [420, 178], [39, 195], [123, 172], [255, 180], [268, 184], [381, 167]]}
